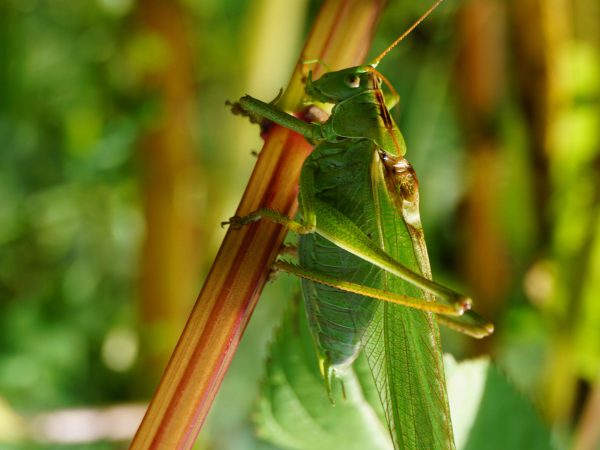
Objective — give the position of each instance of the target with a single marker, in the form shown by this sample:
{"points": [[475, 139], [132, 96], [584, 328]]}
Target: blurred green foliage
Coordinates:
{"points": [[74, 106], [70, 222]]}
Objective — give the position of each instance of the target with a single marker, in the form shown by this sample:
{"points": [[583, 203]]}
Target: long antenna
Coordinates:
{"points": [[406, 33]]}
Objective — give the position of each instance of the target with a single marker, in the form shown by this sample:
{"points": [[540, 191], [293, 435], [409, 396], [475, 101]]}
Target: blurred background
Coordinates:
{"points": [[119, 160]]}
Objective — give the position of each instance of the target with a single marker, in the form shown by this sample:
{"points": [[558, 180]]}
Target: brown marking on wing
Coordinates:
{"points": [[383, 111], [387, 118]]}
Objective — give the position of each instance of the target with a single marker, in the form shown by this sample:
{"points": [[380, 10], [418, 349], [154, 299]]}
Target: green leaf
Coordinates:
{"points": [[294, 411], [488, 413]]}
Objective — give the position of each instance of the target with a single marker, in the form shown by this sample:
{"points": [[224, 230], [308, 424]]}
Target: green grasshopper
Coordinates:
{"points": [[361, 239]]}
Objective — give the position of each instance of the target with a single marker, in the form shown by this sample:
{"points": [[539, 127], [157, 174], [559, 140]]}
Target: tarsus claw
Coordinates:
{"points": [[234, 223], [237, 222]]}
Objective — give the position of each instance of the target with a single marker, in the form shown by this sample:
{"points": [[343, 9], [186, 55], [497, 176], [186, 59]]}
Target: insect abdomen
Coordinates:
{"points": [[338, 319]]}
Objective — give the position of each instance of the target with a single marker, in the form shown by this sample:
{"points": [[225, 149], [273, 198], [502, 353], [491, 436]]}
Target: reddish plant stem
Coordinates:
{"points": [[340, 37]]}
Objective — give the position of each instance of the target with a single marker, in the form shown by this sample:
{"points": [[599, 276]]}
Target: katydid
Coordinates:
{"points": [[361, 245]]}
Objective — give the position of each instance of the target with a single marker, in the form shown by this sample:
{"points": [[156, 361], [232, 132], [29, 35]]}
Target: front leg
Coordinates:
{"points": [[255, 108]]}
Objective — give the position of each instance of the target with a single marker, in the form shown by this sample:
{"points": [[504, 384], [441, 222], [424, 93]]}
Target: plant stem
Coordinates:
{"points": [[340, 37]]}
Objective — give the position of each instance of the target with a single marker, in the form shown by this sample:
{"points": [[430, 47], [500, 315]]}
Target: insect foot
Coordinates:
{"points": [[238, 110], [237, 222]]}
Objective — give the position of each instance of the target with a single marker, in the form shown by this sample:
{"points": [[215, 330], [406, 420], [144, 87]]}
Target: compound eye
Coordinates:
{"points": [[353, 81]]}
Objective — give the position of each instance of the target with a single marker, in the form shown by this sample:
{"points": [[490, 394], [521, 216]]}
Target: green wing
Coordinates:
{"points": [[403, 344]]}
